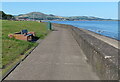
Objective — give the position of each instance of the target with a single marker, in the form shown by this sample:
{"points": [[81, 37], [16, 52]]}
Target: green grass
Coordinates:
{"points": [[12, 48], [16, 26]]}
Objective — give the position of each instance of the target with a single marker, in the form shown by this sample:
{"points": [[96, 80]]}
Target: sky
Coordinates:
{"points": [[60, 0], [97, 9]]}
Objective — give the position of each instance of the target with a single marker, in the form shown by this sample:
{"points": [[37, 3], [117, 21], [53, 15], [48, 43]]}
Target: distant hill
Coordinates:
{"points": [[85, 18], [5, 16], [38, 16], [42, 16]]}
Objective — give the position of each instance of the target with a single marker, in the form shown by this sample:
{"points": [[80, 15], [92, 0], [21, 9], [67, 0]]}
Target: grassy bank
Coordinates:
{"points": [[13, 49]]}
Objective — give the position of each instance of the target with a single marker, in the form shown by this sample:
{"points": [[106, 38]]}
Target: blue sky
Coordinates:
{"points": [[97, 9]]}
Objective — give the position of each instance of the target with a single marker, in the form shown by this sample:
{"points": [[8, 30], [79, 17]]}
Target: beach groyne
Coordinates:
{"points": [[102, 56]]}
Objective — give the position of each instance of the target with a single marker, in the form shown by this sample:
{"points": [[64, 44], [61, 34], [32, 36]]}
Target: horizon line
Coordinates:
{"points": [[62, 15]]}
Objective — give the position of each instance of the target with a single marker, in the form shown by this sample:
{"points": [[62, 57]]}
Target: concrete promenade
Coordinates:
{"points": [[57, 57]]}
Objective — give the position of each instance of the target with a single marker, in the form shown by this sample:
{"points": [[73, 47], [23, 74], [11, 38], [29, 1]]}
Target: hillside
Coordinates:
{"points": [[84, 18], [37, 16], [5, 16], [42, 16]]}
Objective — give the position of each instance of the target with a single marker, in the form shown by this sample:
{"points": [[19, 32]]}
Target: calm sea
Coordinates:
{"points": [[106, 28]]}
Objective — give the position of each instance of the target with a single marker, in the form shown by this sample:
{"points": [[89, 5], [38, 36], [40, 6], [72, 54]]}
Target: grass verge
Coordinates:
{"points": [[14, 50]]}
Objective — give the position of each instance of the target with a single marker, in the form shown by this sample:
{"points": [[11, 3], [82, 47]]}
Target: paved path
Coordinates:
{"points": [[57, 57]]}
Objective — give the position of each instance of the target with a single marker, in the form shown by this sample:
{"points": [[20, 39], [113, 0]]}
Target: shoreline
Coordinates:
{"points": [[80, 20], [111, 41], [101, 52]]}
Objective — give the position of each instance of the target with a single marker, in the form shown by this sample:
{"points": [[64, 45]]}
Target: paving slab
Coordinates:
{"points": [[57, 57]]}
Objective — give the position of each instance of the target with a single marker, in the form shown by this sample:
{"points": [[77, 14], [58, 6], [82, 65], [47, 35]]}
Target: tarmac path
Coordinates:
{"points": [[57, 57]]}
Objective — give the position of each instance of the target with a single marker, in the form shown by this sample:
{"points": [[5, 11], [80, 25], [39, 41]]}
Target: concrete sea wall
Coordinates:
{"points": [[102, 56]]}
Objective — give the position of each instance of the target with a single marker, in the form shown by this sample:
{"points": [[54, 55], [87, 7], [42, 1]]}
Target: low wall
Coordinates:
{"points": [[102, 56]]}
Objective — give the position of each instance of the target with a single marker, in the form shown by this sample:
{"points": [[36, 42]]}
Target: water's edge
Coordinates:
{"points": [[101, 56], [111, 41], [107, 28]]}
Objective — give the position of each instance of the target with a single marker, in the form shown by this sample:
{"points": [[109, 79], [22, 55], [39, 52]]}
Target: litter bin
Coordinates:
{"points": [[49, 25]]}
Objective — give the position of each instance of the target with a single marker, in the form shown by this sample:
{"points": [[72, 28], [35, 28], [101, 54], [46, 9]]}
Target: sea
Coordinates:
{"points": [[105, 28]]}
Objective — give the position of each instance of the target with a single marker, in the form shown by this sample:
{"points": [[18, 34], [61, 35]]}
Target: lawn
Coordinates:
{"points": [[12, 49]]}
